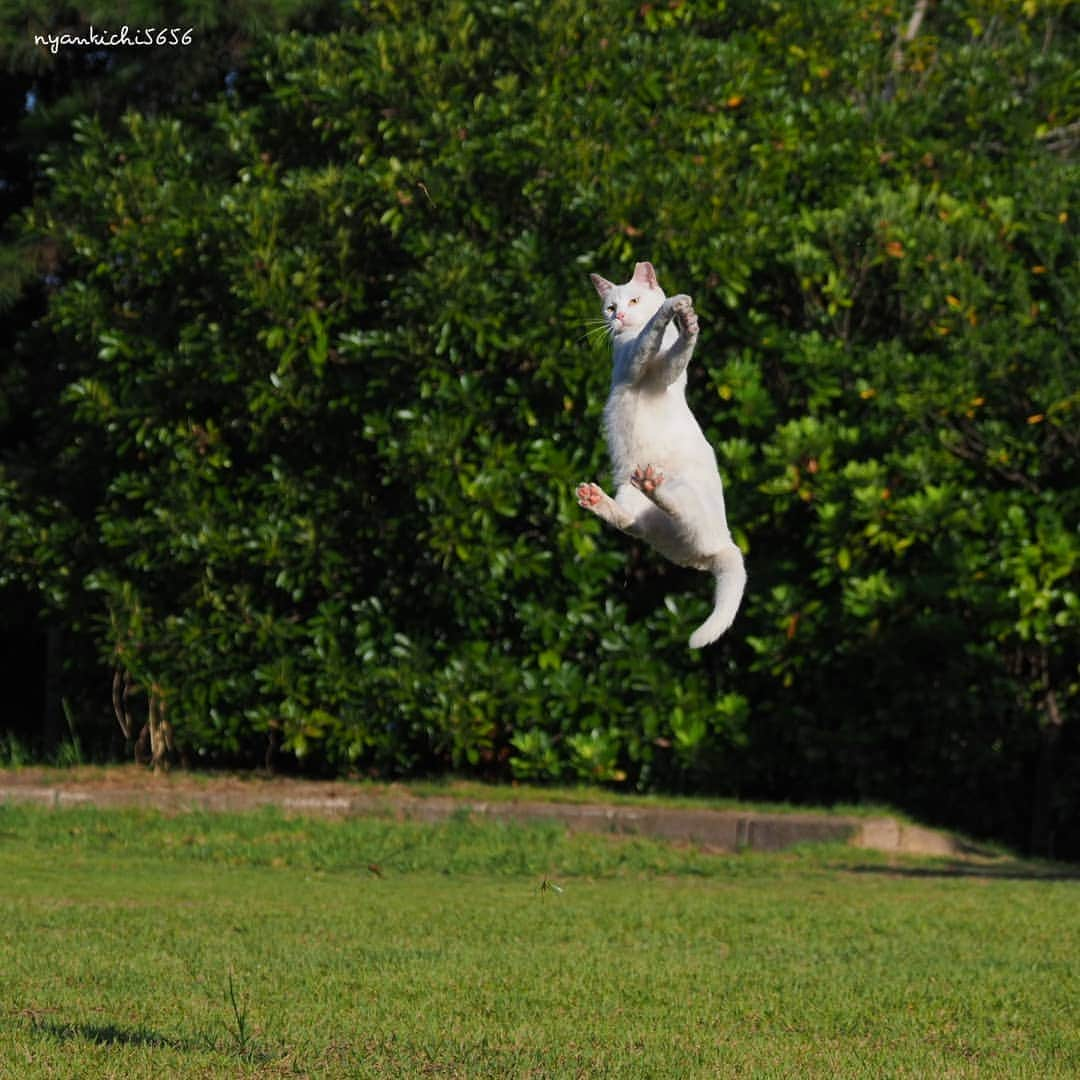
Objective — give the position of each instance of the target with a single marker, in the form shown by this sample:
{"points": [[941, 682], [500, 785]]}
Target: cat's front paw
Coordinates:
{"points": [[647, 480], [682, 308], [589, 496]]}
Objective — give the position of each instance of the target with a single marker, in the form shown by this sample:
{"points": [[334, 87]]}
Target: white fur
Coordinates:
{"points": [[667, 486]]}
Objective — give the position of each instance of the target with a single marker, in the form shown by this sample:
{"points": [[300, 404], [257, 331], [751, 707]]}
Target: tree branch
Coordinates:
{"points": [[909, 34]]}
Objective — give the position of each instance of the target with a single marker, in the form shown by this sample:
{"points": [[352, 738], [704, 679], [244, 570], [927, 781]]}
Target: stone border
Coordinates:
{"points": [[717, 830]]}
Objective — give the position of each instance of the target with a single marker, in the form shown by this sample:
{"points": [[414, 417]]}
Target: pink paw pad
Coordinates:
{"points": [[588, 495], [647, 480]]}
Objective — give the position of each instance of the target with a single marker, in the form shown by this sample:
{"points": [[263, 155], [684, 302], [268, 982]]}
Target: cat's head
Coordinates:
{"points": [[627, 308]]}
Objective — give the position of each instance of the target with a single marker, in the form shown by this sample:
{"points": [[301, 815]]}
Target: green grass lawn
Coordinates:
{"points": [[138, 945]]}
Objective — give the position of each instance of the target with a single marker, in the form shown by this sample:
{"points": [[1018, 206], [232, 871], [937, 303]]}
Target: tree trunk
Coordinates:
{"points": [[161, 741]]}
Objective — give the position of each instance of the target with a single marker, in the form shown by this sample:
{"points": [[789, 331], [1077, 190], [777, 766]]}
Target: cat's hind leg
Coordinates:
{"points": [[593, 497], [630, 512], [651, 522], [691, 517]]}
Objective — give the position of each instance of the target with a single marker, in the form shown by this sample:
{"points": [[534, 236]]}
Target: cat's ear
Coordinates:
{"points": [[602, 284], [644, 274]]}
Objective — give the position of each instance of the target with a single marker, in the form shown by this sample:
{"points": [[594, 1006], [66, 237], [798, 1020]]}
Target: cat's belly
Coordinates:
{"points": [[655, 429]]}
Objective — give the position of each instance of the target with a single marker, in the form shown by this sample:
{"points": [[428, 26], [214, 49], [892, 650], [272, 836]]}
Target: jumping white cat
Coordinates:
{"points": [[667, 486]]}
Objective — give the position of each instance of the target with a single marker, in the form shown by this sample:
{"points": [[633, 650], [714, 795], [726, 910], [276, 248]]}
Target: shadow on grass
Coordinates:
{"points": [[111, 1035], [246, 1050], [1006, 871]]}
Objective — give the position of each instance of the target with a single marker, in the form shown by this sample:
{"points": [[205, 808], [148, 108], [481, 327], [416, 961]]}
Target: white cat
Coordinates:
{"points": [[667, 486]]}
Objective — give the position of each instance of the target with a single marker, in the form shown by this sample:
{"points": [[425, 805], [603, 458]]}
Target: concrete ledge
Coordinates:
{"points": [[888, 834], [718, 830]]}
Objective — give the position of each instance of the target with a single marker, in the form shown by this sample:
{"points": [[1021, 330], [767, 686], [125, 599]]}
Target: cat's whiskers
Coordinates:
{"points": [[600, 329]]}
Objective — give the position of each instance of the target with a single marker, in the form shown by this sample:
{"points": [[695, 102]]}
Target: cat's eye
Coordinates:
{"points": [[611, 308], [633, 300]]}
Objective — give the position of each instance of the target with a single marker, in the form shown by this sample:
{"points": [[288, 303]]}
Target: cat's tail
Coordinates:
{"points": [[730, 574]]}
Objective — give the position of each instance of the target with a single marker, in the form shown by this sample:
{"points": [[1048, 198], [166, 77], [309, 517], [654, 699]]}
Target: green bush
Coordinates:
{"points": [[321, 395]]}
